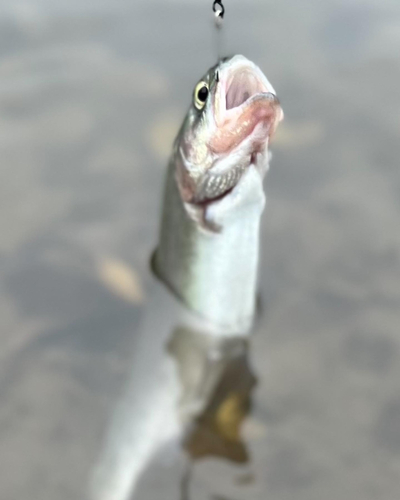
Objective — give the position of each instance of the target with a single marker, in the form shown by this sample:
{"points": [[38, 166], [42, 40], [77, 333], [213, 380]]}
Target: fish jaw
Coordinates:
{"points": [[238, 124], [243, 99], [242, 115]]}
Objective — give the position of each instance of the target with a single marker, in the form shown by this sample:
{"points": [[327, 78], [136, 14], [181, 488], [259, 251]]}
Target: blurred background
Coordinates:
{"points": [[91, 96]]}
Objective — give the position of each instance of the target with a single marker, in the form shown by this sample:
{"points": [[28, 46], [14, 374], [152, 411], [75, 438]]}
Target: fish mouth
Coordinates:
{"points": [[246, 112]]}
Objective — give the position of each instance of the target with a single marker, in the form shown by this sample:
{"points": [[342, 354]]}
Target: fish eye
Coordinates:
{"points": [[200, 95]]}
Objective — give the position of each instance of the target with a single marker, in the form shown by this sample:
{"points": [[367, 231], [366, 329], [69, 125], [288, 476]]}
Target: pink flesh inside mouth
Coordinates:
{"points": [[241, 87], [244, 102]]}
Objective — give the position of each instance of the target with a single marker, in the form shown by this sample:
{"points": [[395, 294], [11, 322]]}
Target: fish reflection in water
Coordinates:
{"points": [[188, 394]]}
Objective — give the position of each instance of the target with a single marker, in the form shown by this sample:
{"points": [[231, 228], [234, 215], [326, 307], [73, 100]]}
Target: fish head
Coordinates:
{"points": [[233, 114]]}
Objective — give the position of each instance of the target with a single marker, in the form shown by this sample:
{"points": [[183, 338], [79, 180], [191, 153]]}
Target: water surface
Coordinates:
{"points": [[91, 95]]}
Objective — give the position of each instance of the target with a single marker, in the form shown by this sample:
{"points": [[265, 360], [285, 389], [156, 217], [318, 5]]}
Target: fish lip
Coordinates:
{"points": [[238, 111], [234, 123], [268, 97], [226, 76]]}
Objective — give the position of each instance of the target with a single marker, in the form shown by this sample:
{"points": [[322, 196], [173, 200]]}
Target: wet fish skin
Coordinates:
{"points": [[209, 239]]}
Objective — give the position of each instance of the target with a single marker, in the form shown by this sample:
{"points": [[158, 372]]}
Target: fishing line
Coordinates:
{"points": [[219, 13]]}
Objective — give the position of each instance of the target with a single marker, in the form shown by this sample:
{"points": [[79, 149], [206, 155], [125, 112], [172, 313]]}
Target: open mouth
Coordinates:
{"points": [[242, 85], [246, 113]]}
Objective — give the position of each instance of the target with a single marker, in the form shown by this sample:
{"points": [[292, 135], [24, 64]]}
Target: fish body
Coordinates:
{"points": [[209, 241]]}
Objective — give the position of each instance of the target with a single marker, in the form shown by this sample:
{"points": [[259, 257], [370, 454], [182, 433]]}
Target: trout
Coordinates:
{"points": [[208, 257], [209, 241]]}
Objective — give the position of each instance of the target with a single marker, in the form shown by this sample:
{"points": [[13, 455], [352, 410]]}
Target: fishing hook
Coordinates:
{"points": [[218, 9]]}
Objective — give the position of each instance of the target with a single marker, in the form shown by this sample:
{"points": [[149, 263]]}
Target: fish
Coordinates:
{"points": [[207, 257], [208, 248]]}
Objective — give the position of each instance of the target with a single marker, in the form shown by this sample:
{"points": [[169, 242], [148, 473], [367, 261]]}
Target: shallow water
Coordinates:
{"points": [[91, 95]]}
